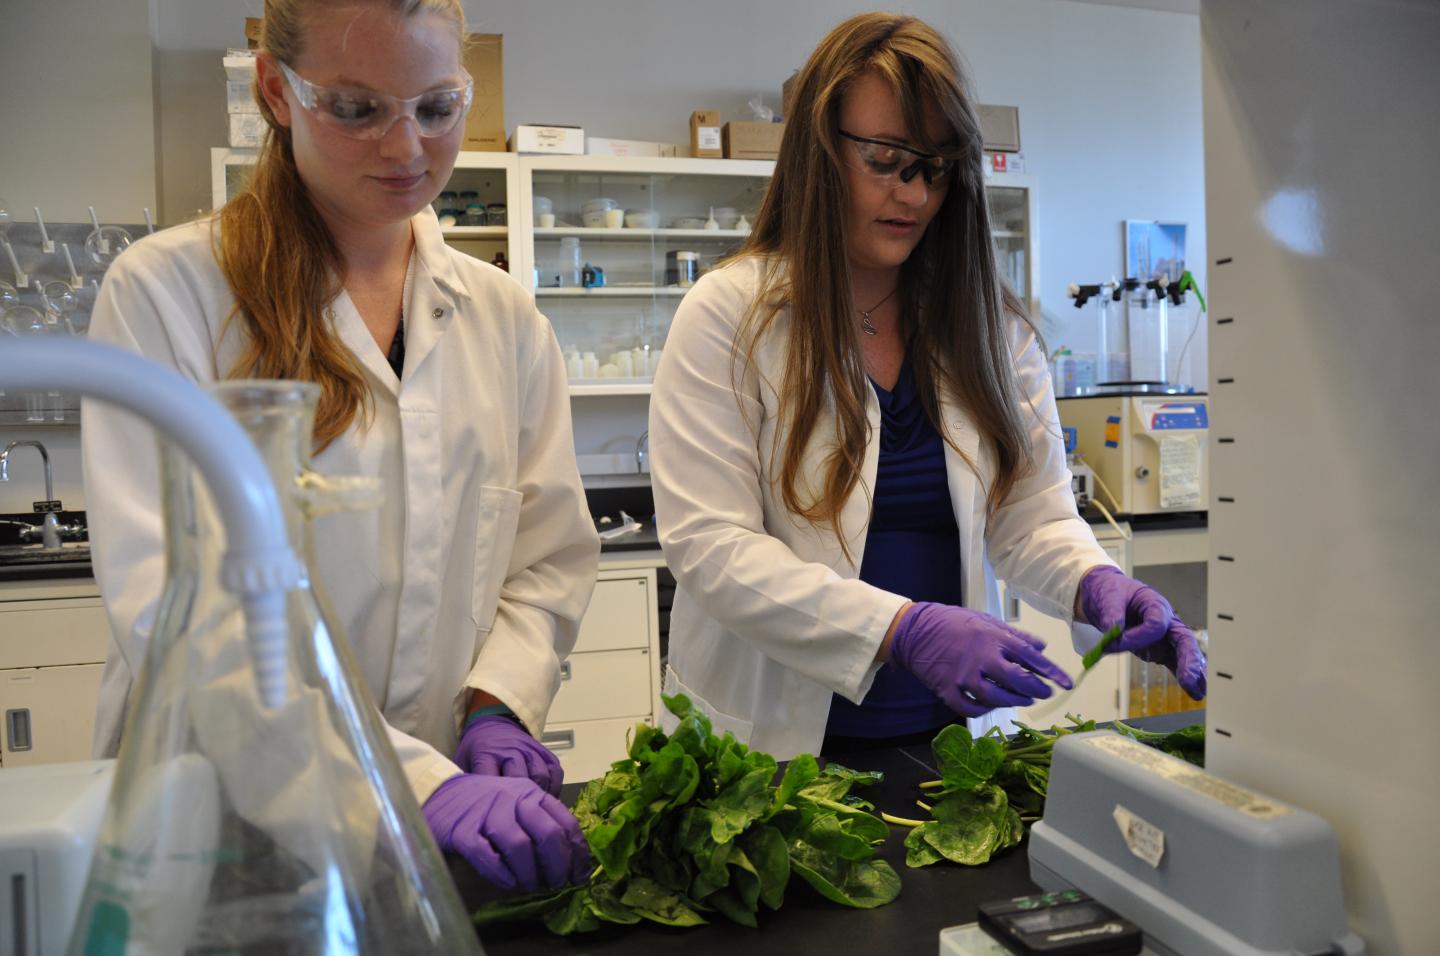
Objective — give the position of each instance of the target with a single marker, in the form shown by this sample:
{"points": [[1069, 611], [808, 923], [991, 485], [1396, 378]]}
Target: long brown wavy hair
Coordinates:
{"points": [[279, 259], [953, 305]]}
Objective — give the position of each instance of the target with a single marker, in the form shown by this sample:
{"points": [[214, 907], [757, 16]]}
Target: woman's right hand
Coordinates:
{"points": [[971, 661], [512, 832]]}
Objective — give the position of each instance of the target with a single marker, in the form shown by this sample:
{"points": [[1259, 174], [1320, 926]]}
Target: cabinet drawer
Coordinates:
{"points": [[53, 633], [587, 748], [47, 714], [618, 616], [604, 684]]}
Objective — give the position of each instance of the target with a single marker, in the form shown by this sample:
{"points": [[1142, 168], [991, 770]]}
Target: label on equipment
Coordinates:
{"points": [[1180, 472], [1145, 839], [1192, 778]]}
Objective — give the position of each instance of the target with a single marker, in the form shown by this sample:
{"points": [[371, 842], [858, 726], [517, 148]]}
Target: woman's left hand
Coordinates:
{"points": [[499, 747], [1108, 598]]}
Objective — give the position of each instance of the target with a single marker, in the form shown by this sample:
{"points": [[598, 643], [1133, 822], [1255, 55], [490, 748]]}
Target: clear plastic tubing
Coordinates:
{"points": [[259, 566]]}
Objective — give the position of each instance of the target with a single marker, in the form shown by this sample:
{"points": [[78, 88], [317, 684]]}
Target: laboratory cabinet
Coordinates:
{"points": [[611, 680], [53, 640]]}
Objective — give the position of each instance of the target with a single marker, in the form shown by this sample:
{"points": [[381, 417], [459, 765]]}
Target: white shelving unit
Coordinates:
{"points": [[1013, 220]]}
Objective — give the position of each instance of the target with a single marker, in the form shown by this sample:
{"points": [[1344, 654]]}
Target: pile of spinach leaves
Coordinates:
{"points": [[692, 824], [990, 787]]}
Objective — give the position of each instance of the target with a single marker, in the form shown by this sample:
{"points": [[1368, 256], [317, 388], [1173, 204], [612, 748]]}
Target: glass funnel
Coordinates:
{"points": [[236, 828]]}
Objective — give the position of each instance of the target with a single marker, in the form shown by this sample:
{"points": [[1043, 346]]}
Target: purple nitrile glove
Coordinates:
{"points": [[1152, 631], [514, 834], [971, 661], [498, 747]]}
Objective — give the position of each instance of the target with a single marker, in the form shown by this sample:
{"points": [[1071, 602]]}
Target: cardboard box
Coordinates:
{"points": [[252, 31], [746, 140], [549, 140], [239, 75], [705, 134], [999, 128], [485, 123], [1004, 163], [600, 146], [247, 130]]}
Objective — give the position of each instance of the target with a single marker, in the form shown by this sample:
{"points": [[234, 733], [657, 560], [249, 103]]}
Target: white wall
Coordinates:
{"points": [[1109, 96], [77, 109]]}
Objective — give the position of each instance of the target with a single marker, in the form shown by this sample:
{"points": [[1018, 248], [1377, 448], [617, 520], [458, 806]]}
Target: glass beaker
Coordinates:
{"points": [[1112, 348], [1147, 323], [237, 828], [567, 264]]}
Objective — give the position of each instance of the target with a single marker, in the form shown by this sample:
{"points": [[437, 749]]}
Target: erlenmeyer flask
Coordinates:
{"points": [[236, 828]]}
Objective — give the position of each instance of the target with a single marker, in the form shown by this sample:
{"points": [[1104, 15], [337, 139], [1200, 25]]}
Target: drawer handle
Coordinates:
{"points": [[1012, 608], [564, 670], [558, 739], [17, 730]]}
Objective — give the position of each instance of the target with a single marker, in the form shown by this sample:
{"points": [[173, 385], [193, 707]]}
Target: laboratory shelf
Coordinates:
{"points": [[476, 232], [633, 291], [593, 389], [639, 235]]}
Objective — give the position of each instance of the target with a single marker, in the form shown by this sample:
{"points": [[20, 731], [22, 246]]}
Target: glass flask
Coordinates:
{"points": [[233, 828]]}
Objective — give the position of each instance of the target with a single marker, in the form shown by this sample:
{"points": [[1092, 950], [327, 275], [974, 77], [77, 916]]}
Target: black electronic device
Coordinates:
{"points": [[1065, 923]]}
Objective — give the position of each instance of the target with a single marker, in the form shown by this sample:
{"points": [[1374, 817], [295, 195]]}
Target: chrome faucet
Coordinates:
{"points": [[49, 525], [642, 451]]}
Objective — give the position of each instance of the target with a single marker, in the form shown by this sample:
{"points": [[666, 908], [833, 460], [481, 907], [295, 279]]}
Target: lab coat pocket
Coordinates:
{"points": [[719, 720], [494, 539]]}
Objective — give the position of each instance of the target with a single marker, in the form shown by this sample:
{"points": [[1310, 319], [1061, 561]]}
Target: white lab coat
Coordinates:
{"points": [[770, 619], [475, 571]]}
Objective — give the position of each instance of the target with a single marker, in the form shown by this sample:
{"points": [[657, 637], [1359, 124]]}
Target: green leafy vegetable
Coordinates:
{"points": [[989, 787], [1092, 656], [692, 824]]}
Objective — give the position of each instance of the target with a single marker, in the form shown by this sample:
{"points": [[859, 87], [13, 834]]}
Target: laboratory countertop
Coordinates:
{"points": [[931, 898]]}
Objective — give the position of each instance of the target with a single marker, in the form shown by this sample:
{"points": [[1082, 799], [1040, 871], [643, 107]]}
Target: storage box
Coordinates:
{"points": [[239, 75], [485, 123], [600, 146], [549, 140], [252, 31], [746, 140], [705, 134], [247, 130], [1000, 128]]}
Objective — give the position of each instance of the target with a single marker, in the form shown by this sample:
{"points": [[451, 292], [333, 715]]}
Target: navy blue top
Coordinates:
{"points": [[912, 548]]}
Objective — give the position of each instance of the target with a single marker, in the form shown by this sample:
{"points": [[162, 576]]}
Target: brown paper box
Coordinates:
{"points": [[705, 134], [252, 31], [745, 140], [485, 124]]}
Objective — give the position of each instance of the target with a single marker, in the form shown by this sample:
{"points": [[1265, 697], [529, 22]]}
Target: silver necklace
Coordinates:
{"points": [[866, 325]]}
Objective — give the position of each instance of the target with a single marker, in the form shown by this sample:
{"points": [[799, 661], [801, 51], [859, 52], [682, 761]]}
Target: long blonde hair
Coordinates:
{"points": [[279, 259], [953, 303]]}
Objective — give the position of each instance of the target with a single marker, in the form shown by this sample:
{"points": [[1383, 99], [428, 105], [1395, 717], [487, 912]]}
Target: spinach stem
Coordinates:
{"points": [[923, 805], [900, 821], [932, 784]]}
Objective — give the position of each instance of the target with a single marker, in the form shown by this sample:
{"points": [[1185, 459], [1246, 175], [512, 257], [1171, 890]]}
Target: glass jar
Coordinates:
{"points": [[495, 214], [568, 264]]}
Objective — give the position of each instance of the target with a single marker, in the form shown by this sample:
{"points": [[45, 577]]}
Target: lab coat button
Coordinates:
{"points": [[437, 313]]}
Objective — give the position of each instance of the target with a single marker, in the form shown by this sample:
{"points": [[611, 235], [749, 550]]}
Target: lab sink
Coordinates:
{"points": [[35, 560]]}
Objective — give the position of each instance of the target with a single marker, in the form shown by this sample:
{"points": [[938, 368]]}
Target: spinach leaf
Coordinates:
{"points": [[691, 824]]}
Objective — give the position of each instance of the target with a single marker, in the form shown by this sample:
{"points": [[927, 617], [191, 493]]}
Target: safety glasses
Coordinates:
{"points": [[894, 164], [364, 114]]}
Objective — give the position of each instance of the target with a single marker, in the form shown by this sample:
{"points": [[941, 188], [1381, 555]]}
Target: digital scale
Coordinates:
{"points": [[1067, 923], [1141, 852]]}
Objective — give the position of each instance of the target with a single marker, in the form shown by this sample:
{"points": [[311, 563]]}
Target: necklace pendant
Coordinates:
{"points": [[866, 326]]}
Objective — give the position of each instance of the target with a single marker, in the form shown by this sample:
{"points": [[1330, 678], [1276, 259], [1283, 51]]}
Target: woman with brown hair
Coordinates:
{"points": [[853, 432], [438, 377]]}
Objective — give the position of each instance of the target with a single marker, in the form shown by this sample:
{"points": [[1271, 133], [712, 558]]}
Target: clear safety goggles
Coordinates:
{"points": [[894, 164], [365, 114]]}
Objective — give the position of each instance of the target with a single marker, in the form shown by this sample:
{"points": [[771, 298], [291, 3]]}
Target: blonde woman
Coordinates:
{"points": [[438, 377], [853, 433]]}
